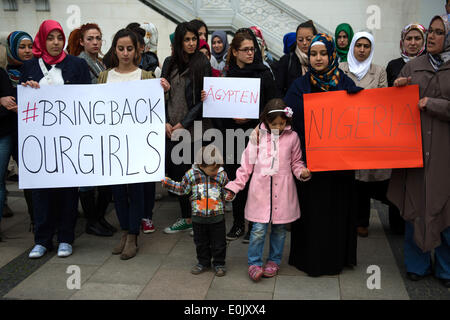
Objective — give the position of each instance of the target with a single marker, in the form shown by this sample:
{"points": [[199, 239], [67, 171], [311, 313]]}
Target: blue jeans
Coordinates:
{"points": [[257, 239], [419, 262], [5, 153]]}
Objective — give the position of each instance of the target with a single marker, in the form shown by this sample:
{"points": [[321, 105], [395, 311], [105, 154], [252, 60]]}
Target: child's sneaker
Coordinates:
{"points": [[147, 226], [198, 268], [220, 271], [271, 269], [179, 225], [255, 272]]}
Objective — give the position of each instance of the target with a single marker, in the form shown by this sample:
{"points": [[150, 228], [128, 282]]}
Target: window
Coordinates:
{"points": [[42, 5], [10, 5]]}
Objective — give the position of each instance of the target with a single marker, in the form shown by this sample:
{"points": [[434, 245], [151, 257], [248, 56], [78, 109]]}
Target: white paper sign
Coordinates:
{"points": [[91, 135], [231, 98]]}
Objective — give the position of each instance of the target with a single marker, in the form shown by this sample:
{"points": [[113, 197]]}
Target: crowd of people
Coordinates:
{"points": [[270, 188]]}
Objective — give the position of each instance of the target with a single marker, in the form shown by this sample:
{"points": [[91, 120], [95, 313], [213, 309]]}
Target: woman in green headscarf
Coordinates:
{"points": [[343, 37]]}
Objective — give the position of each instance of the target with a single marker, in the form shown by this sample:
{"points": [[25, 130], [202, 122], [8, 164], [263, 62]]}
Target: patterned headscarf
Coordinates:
{"points": [[39, 44], [151, 37], [342, 52], [12, 48], [330, 76], [413, 26], [439, 59]]}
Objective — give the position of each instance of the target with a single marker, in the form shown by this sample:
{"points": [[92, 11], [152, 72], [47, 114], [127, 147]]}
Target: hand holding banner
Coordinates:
{"points": [[373, 129]]}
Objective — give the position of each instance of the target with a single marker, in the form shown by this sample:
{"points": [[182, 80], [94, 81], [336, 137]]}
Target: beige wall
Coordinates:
{"points": [[110, 15]]}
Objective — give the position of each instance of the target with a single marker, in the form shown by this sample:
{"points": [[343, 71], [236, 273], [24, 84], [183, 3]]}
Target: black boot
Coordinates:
{"points": [[98, 229], [93, 225], [107, 225]]}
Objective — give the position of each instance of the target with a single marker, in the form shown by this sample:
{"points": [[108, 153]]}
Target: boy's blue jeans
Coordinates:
{"points": [[257, 239]]}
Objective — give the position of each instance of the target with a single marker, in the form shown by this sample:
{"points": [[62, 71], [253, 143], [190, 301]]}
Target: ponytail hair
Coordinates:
{"points": [[307, 24], [74, 46]]}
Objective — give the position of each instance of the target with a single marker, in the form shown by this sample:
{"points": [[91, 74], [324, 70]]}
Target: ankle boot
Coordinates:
{"points": [[119, 248], [131, 247]]}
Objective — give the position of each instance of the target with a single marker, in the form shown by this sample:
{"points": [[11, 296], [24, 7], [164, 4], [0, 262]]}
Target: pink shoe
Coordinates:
{"points": [[271, 269], [147, 226], [255, 272]]}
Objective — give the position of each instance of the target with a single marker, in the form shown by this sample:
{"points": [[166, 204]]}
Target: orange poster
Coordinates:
{"points": [[372, 129]]}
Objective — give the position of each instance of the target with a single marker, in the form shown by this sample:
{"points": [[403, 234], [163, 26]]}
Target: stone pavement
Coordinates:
{"points": [[161, 270]]}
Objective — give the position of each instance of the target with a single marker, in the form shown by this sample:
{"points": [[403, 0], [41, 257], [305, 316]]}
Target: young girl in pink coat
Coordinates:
{"points": [[272, 197]]}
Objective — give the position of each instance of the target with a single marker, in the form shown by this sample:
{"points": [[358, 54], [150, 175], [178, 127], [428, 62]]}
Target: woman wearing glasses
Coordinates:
{"points": [[244, 60], [295, 63], [423, 194]]}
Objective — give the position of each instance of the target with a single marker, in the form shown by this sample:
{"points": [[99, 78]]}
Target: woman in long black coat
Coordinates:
{"points": [[323, 240]]}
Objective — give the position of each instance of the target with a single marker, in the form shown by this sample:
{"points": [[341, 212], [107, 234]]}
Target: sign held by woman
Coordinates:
{"points": [[80, 135], [373, 129]]}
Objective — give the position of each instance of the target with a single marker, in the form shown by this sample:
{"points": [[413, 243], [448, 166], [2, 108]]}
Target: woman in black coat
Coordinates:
{"points": [[295, 63], [185, 70], [323, 240]]}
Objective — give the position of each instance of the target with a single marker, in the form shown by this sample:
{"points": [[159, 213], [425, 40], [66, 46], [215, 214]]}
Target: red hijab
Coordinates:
{"points": [[39, 44]]}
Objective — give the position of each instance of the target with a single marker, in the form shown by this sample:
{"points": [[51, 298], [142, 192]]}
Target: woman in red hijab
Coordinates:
{"points": [[55, 209]]}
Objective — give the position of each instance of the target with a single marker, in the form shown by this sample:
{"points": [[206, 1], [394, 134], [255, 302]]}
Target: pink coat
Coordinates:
{"points": [[272, 195]]}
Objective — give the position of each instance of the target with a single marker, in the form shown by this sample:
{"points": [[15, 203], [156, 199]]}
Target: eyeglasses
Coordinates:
{"points": [[438, 32], [251, 50]]}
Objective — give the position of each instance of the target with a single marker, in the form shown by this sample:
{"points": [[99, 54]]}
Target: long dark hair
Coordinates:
{"points": [[123, 33], [180, 59], [197, 23]]}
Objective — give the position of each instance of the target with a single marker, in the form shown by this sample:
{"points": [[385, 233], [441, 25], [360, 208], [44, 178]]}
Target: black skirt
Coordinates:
{"points": [[323, 240]]}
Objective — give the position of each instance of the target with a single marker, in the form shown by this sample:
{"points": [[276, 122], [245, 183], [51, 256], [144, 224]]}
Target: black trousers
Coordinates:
{"points": [[376, 190], [55, 210], [177, 171], [210, 243]]}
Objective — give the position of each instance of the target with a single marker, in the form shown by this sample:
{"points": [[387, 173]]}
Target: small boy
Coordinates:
{"points": [[205, 183]]}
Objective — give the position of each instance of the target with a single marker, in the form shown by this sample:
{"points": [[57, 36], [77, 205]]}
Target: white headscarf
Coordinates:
{"points": [[360, 69], [151, 37]]}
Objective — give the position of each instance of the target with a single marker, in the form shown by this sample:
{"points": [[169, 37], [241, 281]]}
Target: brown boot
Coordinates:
{"points": [[362, 232], [131, 247], [119, 248]]}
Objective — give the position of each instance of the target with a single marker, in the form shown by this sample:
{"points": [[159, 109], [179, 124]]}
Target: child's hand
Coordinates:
{"points": [[203, 95], [164, 182], [306, 174], [229, 195]]}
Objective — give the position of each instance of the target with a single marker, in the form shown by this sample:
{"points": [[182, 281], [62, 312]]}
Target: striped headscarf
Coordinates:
{"points": [[330, 76], [413, 26], [12, 49]]}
